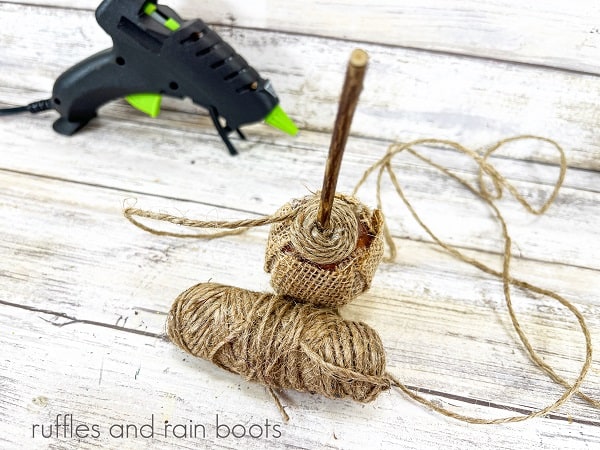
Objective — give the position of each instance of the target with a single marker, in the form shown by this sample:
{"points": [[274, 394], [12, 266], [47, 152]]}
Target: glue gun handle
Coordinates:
{"points": [[81, 90]]}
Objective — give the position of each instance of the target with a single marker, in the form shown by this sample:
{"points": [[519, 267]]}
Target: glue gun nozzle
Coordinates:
{"points": [[280, 120]]}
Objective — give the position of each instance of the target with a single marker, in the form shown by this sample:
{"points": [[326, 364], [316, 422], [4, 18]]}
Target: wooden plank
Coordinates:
{"points": [[84, 294], [106, 377], [408, 94], [553, 33], [174, 163], [76, 256]]}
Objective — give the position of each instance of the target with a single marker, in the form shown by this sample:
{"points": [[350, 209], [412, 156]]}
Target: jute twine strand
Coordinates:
{"points": [[499, 182], [258, 352], [231, 227], [321, 246]]}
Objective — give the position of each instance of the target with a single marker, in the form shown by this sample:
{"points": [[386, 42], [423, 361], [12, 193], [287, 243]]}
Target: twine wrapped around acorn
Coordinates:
{"points": [[323, 249], [323, 267]]}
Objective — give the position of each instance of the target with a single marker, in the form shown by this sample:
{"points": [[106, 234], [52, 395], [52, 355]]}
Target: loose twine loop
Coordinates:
{"points": [[499, 182], [277, 374]]}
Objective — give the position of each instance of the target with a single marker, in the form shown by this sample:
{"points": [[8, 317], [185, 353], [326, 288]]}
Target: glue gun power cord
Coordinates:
{"points": [[35, 107]]}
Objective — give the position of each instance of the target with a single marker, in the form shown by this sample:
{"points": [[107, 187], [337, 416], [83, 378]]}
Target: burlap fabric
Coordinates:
{"points": [[296, 248]]}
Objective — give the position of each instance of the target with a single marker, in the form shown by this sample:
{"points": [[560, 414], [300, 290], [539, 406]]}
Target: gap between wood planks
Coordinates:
{"points": [[73, 320]]}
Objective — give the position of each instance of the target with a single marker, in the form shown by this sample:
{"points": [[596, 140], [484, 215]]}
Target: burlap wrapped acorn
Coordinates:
{"points": [[324, 267]]}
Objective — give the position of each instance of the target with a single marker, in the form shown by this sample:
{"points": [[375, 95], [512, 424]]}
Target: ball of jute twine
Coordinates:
{"points": [[191, 327], [279, 343]]}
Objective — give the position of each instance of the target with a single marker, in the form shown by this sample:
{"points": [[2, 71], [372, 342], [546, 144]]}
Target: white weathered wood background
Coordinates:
{"points": [[84, 294]]}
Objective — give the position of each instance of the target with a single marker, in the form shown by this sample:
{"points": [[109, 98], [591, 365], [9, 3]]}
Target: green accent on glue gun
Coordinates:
{"points": [[150, 103], [147, 103], [172, 24], [280, 120], [150, 8]]}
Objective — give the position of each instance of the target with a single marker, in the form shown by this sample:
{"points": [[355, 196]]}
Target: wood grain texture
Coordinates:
{"points": [[108, 158], [84, 295], [123, 289], [551, 33], [408, 93], [116, 370]]}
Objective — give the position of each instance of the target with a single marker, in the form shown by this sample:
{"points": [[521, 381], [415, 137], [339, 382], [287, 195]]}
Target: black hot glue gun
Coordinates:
{"points": [[157, 53]]}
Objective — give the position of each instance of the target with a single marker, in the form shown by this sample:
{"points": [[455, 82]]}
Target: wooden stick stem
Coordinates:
{"points": [[353, 84]]}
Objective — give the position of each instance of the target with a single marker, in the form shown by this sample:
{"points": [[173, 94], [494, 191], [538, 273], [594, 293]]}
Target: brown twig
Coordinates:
{"points": [[353, 84]]}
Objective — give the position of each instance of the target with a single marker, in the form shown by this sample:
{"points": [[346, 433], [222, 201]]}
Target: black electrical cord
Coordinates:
{"points": [[35, 107]]}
